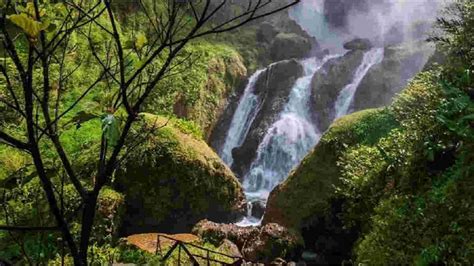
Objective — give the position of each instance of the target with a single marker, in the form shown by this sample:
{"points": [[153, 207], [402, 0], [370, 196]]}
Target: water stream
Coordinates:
{"points": [[286, 142], [242, 119], [292, 136], [345, 97]]}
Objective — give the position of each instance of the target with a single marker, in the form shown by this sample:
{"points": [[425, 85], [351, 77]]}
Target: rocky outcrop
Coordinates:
{"points": [[215, 233], [327, 84], [385, 80], [289, 45], [306, 201], [358, 44], [273, 88], [205, 104], [262, 244], [219, 132], [172, 180], [266, 32], [306, 191]]}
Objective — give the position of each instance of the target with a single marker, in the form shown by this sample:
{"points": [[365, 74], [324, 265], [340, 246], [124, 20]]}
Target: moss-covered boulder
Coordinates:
{"points": [[289, 45], [307, 200], [173, 179], [257, 243], [203, 91], [308, 190]]}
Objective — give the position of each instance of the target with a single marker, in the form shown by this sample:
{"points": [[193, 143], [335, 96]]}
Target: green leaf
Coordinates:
{"points": [[110, 129], [468, 117], [30, 26], [140, 41]]}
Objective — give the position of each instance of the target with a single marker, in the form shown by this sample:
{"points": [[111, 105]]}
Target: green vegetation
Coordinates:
{"points": [[173, 180], [320, 171], [399, 180], [74, 77]]}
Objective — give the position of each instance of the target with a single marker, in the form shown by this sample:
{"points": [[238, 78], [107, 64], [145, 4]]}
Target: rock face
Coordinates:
{"points": [[266, 32], [358, 44], [273, 88], [385, 80], [307, 189], [306, 200], [224, 76], [272, 242], [217, 136], [327, 84], [262, 244], [289, 45], [172, 180]]}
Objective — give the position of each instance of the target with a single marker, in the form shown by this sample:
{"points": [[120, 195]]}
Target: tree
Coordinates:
{"points": [[37, 35]]}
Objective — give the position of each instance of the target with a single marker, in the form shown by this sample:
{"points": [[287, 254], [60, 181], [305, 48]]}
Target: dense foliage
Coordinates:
{"points": [[411, 192]]}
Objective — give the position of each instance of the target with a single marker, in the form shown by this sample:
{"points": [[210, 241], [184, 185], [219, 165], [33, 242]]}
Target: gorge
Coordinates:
{"points": [[293, 130], [237, 132]]}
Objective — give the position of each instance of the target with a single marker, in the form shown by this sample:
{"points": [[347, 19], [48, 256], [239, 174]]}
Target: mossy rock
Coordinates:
{"points": [[172, 180], [308, 190], [203, 90]]}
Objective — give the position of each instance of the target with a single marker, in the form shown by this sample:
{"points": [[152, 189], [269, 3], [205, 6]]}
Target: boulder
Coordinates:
{"points": [[358, 44], [219, 132], [273, 241], [289, 45], [307, 201], [258, 209], [266, 32], [172, 179], [224, 76], [307, 190], [215, 233], [273, 88], [229, 248], [257, 244], [328, 82], [385, 80]]}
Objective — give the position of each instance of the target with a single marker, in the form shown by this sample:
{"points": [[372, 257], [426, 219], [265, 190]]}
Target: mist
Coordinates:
{"points": [[384, 22]]}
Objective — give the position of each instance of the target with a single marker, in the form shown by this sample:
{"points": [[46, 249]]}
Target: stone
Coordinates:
{"points": [[358, 44], [385, 80], [328, 82], [229, 248], [289, 45], [173, 179], [215, 233], [307, 200], [266, 32], [257, 244], [273, 88], [273, 241], [258, 209]]}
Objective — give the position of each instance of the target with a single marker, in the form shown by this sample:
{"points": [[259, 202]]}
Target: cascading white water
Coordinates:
{"points": [[286, 142], [344, 100], [242, 119]]}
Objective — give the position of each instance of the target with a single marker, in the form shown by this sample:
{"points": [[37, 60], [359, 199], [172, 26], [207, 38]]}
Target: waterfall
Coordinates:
{"points": [[242, 119], [286, 142], [344, 100]]}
